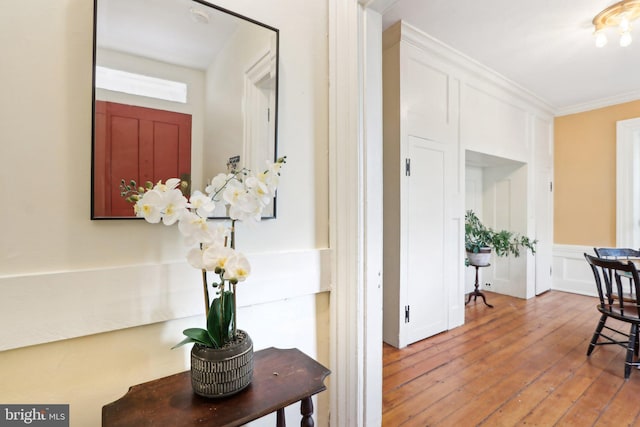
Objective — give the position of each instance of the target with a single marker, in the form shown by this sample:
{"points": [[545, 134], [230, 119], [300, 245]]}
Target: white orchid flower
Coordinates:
{"points": [[233, 191], [219, 182], [271, 176], [237, 267], [246, 208], [194, 258], [194, 228], [175, 205], [202, 203], [216, 257], [170, 184], [259, 190], [197, 229], [150, 206]]}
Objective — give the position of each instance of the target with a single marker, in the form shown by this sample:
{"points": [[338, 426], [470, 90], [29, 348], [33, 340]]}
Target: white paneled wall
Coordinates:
{"points": [[493, 123], [571, 273], [437, 94]]}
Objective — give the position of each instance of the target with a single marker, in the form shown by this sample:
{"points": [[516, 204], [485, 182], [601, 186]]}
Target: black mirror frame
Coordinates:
{"points": [[93, 102]]}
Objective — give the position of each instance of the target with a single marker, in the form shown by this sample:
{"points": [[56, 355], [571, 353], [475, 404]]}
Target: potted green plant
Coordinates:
{"points": [[222, 355], [480, 240]]}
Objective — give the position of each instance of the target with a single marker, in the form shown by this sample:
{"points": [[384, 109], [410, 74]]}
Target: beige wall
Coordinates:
{"points": [[585, 175], [54, 259]]}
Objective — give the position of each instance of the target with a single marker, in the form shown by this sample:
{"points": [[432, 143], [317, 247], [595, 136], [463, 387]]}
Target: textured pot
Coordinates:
{"points": [[480, 258], [221, 372]]}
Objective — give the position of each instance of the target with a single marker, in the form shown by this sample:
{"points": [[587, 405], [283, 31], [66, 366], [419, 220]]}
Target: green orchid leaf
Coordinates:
{"points": [[220, 320], [199, 335], [228, 314], [187, 340], [214, 322]]}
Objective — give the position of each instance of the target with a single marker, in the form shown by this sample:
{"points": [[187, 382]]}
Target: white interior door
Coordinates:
{"points": [[544, 231], [426, 295], [543, 209]]}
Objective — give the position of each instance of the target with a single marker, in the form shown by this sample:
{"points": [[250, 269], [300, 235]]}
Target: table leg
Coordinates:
{"points": [[280, 420], [477, 292], [306, 409]]}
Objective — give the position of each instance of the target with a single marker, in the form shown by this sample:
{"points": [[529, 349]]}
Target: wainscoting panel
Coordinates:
{"points": [[77, 303], [571, 273]]}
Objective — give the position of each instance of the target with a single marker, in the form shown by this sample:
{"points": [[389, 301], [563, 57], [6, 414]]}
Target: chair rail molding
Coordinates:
{"points": [[627, 187], [113, 298]]}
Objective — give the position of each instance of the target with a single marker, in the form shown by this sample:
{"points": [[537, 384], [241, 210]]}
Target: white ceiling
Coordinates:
{"points": [[165, 30], [544, 46]]}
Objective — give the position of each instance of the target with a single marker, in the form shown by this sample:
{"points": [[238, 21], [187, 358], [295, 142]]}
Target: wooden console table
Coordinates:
{"points": [[280, 378]]}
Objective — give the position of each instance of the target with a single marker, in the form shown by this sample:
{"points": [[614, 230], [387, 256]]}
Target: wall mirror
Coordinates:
{"points": [[180, 88]]}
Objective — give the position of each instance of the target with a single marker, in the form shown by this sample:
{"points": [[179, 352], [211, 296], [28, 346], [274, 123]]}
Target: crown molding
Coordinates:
{"points": [[598, 103], [401, 30]]}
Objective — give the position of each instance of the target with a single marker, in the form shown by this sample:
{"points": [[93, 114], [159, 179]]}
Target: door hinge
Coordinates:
{"points": [[551, 186], [407, 167], [268, 114], [406, 314]]}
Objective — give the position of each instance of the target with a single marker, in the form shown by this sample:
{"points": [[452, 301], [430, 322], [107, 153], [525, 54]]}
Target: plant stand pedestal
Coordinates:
{"points": [[476, 292]]}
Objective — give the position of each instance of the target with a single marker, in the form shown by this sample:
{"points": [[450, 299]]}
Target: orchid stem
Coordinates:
{"points": [[235, 320], [233, 246], [233, 234], [206, 293]]}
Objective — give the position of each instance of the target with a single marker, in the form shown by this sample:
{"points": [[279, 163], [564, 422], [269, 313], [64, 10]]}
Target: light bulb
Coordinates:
{"points": [[601, 38], [625, 39], [624, 24]]}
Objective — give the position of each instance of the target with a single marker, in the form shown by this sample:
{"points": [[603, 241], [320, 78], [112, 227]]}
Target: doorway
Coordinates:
{"points": [[496, 190]]}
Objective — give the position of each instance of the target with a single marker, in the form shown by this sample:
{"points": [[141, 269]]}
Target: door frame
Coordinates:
{"points": [[627, 172], [355, 211]]}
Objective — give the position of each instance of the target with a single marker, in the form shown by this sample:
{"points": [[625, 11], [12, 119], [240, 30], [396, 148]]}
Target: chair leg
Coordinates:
{"points": [[633, 335], [596, 334]]}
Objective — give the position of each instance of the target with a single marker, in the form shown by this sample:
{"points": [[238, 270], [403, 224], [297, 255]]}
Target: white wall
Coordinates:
{"points": [[473, 200], [57, 268], [225, 95], [505, 208], [493, 121]]}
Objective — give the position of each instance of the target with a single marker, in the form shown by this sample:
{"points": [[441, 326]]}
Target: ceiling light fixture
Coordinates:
{"points": [[618, 15], [199, 16]]}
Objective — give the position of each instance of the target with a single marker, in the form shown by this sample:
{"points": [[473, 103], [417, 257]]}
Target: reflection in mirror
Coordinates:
{"points": [[180, 88]]}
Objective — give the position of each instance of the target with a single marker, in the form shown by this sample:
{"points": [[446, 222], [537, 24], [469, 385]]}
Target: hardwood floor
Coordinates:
{"points": [[521, 363]]}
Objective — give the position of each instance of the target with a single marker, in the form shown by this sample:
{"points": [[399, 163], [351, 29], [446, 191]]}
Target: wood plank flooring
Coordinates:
{"points": [[521, 363]]}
